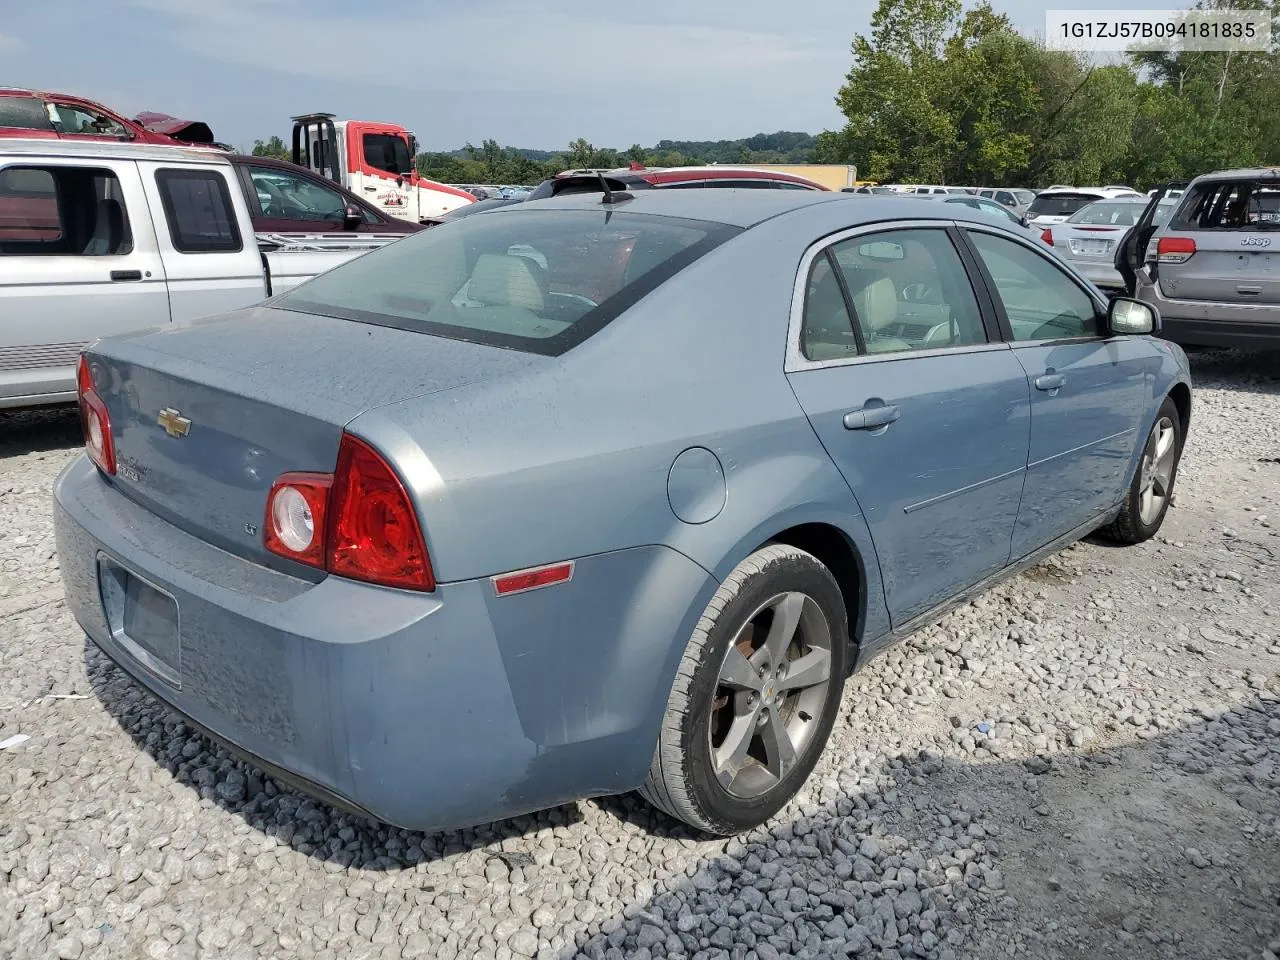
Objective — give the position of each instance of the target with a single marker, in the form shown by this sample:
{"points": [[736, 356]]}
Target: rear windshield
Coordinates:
{"points": [[1024, 196], [1247, 205], [541, 281], [1113, 214], [1058, 204]]}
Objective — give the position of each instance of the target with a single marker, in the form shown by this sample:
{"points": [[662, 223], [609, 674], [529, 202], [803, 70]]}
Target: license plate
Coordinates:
{"points": [[143, 620], [1091, 248]]}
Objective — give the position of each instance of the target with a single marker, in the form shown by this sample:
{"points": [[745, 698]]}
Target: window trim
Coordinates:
{"points": [[164, 174], [1002, 316], [795, 361]]}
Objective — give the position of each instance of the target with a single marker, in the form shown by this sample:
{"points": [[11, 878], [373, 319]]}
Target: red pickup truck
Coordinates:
{"points": [[36, 113]]}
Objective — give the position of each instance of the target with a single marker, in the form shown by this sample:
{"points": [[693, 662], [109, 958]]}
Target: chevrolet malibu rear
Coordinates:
{"points": [[398, 537]]}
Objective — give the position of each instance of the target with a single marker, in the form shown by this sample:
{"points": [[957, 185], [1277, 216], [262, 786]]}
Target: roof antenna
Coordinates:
{"points": [[609, 195]]}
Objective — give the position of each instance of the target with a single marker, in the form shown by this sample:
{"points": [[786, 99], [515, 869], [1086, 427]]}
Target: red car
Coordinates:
{"points": [[34, 113], [644, 178]]}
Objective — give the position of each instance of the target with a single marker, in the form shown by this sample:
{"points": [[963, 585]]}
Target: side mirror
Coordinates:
{"points": [[352, 217], [1128, 316]]}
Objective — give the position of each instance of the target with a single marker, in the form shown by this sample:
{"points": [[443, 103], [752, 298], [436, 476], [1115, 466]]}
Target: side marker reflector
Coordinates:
{"points": [[531, 579]]}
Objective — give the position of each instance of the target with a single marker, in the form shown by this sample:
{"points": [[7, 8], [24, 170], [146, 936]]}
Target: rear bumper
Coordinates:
{"points": [[1210, 324], [427, 711]]}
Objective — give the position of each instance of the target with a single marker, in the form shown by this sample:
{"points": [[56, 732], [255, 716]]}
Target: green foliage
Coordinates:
{"points": [[274, 148], [939, 94]]}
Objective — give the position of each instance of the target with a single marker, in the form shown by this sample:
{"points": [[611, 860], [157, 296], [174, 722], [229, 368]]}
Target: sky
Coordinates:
{"points": [[453, 71]]}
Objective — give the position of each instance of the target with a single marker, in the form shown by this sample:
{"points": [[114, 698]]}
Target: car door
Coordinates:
{"points": [[891, 357], [1131, 251], [78, 261], [283, 201], [212, 266], [1088, 390]]}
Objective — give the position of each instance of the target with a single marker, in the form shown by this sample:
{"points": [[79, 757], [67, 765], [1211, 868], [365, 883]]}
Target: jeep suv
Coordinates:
{"points": [[1213, 269]]}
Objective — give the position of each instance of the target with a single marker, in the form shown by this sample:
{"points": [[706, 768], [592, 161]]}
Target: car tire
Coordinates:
{"points": [[1151, 489], [722, 763]]}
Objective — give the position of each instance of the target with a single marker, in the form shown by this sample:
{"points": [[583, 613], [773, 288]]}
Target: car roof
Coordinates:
{"points": [[1244, 173], [110, 150], [747, 207]]}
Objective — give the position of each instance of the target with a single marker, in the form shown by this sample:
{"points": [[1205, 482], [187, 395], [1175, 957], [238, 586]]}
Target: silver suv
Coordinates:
{"points": [[1213, 270]]}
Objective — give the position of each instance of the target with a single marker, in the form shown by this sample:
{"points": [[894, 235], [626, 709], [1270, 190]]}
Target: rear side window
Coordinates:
{"points": [[908, 289], [197, 206], [1246, 205], [27, 113], [62, 211], [1058, 204], [541, 281]]}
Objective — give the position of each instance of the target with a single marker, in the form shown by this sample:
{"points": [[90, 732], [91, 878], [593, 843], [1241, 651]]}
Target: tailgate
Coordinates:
{"points": [[1229, 266]]}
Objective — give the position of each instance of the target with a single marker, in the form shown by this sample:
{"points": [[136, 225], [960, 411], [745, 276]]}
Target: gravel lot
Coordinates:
{"points": [[1084, 763]]}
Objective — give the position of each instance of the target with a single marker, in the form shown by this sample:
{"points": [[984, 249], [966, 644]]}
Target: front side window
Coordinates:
{"points": [[388, 153], [78, 120], [286, 196], [908, 290], [197, 206], [62, 211], [535, 280], [1041, 301]]}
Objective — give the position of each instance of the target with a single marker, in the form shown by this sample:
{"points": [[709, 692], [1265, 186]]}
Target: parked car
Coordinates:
{"points": [[37, 113], [1087, 239], [670, 178], [1213, 269], [99, 238], [1056, 204], [1016, 200], [286, 199], [997, 210], [504, 473]]}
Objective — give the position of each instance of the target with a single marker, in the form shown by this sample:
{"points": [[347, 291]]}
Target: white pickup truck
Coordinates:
{"points": [[104, 238]]}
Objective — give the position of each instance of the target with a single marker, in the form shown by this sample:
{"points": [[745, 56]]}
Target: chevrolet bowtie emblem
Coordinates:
{"points": [[174, 423]]}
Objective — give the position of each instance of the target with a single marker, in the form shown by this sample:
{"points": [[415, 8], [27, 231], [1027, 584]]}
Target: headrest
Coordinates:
{"points": [[875, 297], [501, 280]]}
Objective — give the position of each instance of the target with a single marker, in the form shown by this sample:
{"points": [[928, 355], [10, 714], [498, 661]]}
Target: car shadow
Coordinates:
{"points": [[39, 430], [308, 824], [1128, 847], [1243, 371], [1142, 849]]}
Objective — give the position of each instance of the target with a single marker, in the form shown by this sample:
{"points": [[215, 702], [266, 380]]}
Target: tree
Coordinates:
{"points": [[274, 148]]}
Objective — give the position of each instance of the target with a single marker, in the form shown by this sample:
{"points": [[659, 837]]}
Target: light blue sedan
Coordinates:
{"points": [[600, 493]]}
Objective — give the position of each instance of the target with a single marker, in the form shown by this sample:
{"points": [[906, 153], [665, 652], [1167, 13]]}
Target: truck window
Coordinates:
{"points": [[62, 211], [387, 152], [197, 207]]}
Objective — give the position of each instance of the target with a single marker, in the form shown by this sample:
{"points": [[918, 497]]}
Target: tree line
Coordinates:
{"points": [[940, 94]]}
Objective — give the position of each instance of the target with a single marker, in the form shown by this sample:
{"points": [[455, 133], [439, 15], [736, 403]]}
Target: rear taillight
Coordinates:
{"points": [[1047, 237], [357, 522], [1175, 249], [95, 420], [297, 515]]}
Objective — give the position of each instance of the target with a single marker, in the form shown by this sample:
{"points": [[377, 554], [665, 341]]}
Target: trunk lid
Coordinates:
{"points": [[206, 417], [1088, 241]]}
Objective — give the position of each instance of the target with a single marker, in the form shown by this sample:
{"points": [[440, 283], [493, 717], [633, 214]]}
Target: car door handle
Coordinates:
{"points": [[370, 189], [1248, 289], [1050, 381], [871, 418], [118, 275]]}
